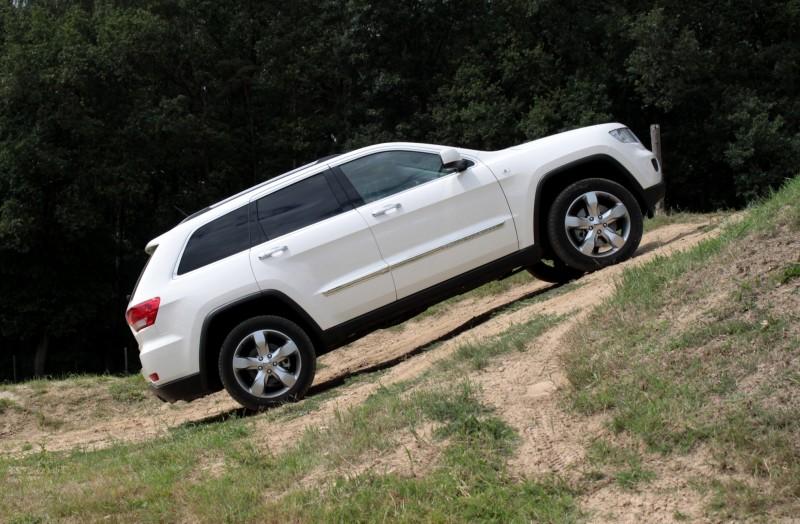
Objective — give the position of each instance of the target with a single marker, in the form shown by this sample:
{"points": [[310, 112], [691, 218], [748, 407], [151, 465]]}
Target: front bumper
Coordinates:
{"points": [[186, 388], [652, 195]]}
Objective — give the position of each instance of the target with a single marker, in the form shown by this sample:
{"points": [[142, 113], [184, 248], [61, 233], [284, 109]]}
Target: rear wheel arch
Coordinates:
{"points": [[555, 181], [221, 321]]}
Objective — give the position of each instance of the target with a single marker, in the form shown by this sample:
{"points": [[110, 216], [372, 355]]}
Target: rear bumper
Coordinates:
{"points": [[186, 388], [652, 195]]}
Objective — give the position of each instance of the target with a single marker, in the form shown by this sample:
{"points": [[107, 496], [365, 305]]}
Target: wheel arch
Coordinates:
{"points": [[222, 320], [593, 166]]}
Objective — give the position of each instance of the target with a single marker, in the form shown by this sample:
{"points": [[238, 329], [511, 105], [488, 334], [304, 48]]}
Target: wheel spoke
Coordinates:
{"points": [[613, 238], [257, 388], [245, 363], [587, 248], [286, 350], [614, 213], [261, 343], [591, 203], [574, 222], [284, 376]]}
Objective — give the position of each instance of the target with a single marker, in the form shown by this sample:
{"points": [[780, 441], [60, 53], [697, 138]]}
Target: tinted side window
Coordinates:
{"points": [[220, 238], [383, 174], [299, 205]]}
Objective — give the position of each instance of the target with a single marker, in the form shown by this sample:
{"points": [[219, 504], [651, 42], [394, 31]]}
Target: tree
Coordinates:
{"points": [[117, 117]]}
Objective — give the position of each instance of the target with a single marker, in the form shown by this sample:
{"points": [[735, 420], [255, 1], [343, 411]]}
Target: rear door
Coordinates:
{"points": [[430, 224], [318, 250]]}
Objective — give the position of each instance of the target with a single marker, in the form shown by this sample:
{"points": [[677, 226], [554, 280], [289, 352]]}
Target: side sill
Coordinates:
{"points": [[411, 305]]}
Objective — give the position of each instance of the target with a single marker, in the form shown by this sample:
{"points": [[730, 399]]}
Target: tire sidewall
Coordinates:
{"points": [[561, 244], [305, 349]]}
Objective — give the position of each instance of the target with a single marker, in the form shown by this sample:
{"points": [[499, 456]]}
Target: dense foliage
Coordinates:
{"points": [[117, 116]]}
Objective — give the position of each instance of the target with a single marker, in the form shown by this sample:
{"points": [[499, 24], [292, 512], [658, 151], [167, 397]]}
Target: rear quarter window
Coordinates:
{"points": [[220, 238]]}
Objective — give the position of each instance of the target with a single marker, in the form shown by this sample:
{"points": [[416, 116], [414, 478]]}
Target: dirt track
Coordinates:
{"points": [[521, 390]]}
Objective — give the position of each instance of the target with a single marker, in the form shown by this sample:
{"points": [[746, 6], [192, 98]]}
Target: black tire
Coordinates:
{"points": [[567, 244], [241, 343], [554, 271]]}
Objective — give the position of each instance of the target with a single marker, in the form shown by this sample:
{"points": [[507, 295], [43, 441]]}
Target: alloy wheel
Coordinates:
{"points": [[267, 363], [597, 224]]}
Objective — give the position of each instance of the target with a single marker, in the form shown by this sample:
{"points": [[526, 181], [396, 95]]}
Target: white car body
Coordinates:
{"points": [[362, 261]]}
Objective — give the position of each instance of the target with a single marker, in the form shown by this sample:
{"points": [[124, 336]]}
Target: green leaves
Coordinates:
{"points": [[115, 115]]}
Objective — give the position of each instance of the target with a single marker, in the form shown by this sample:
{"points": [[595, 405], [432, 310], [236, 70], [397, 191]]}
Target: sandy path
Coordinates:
{"points": [[554, 439], [512, 389]]}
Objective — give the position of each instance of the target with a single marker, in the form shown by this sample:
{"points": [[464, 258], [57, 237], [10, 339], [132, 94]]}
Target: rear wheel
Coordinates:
{"points": [[554, 271], [266, 361], [594, 223]]}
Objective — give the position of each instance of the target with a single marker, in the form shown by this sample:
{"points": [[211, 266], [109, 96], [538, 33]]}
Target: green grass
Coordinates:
{"points": [[671, 217], [734, 498], [7, 404], [470, 483], [622, 464], [43, 419], [489, 289], [229, 472], [173, 478], [789, 273], [129, 390], [478, 355], [678, 385], [309, 405]]}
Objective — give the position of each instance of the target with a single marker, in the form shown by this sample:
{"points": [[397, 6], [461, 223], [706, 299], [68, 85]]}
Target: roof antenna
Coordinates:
{"points": [[181, 211]]}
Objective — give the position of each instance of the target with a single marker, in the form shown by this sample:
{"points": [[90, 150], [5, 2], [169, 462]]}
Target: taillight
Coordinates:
{"points": [[142, 315]]}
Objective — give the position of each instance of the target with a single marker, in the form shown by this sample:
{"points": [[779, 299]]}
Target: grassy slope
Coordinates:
{"points": [[703, 349], [226, 471]]}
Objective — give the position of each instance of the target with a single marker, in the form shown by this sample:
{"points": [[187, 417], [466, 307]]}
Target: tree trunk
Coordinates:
{"points": [[40, 357]]}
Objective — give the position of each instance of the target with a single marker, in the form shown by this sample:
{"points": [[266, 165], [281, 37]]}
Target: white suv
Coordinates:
{"points": [[244, 294]]}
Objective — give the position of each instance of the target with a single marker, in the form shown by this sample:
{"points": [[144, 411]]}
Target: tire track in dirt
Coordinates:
{"points": [[522, 390], [405, 353]]}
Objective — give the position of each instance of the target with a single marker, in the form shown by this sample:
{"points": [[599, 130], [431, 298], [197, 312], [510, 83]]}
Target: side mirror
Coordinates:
{"points": [[452, 161]]}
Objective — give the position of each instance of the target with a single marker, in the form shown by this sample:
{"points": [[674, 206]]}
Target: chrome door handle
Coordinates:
{"points": [[275, 252], [388, 210]]}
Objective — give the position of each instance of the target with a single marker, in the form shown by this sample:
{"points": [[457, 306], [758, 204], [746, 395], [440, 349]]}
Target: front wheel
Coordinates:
{"points": [[266, 361], [594, 223]]}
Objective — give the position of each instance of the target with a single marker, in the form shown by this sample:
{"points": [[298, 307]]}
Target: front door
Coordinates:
{"points": [[430, 224]]}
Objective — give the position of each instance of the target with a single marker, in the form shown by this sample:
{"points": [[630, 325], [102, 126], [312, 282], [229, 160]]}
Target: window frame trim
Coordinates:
{"points": [[334, 173]]}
